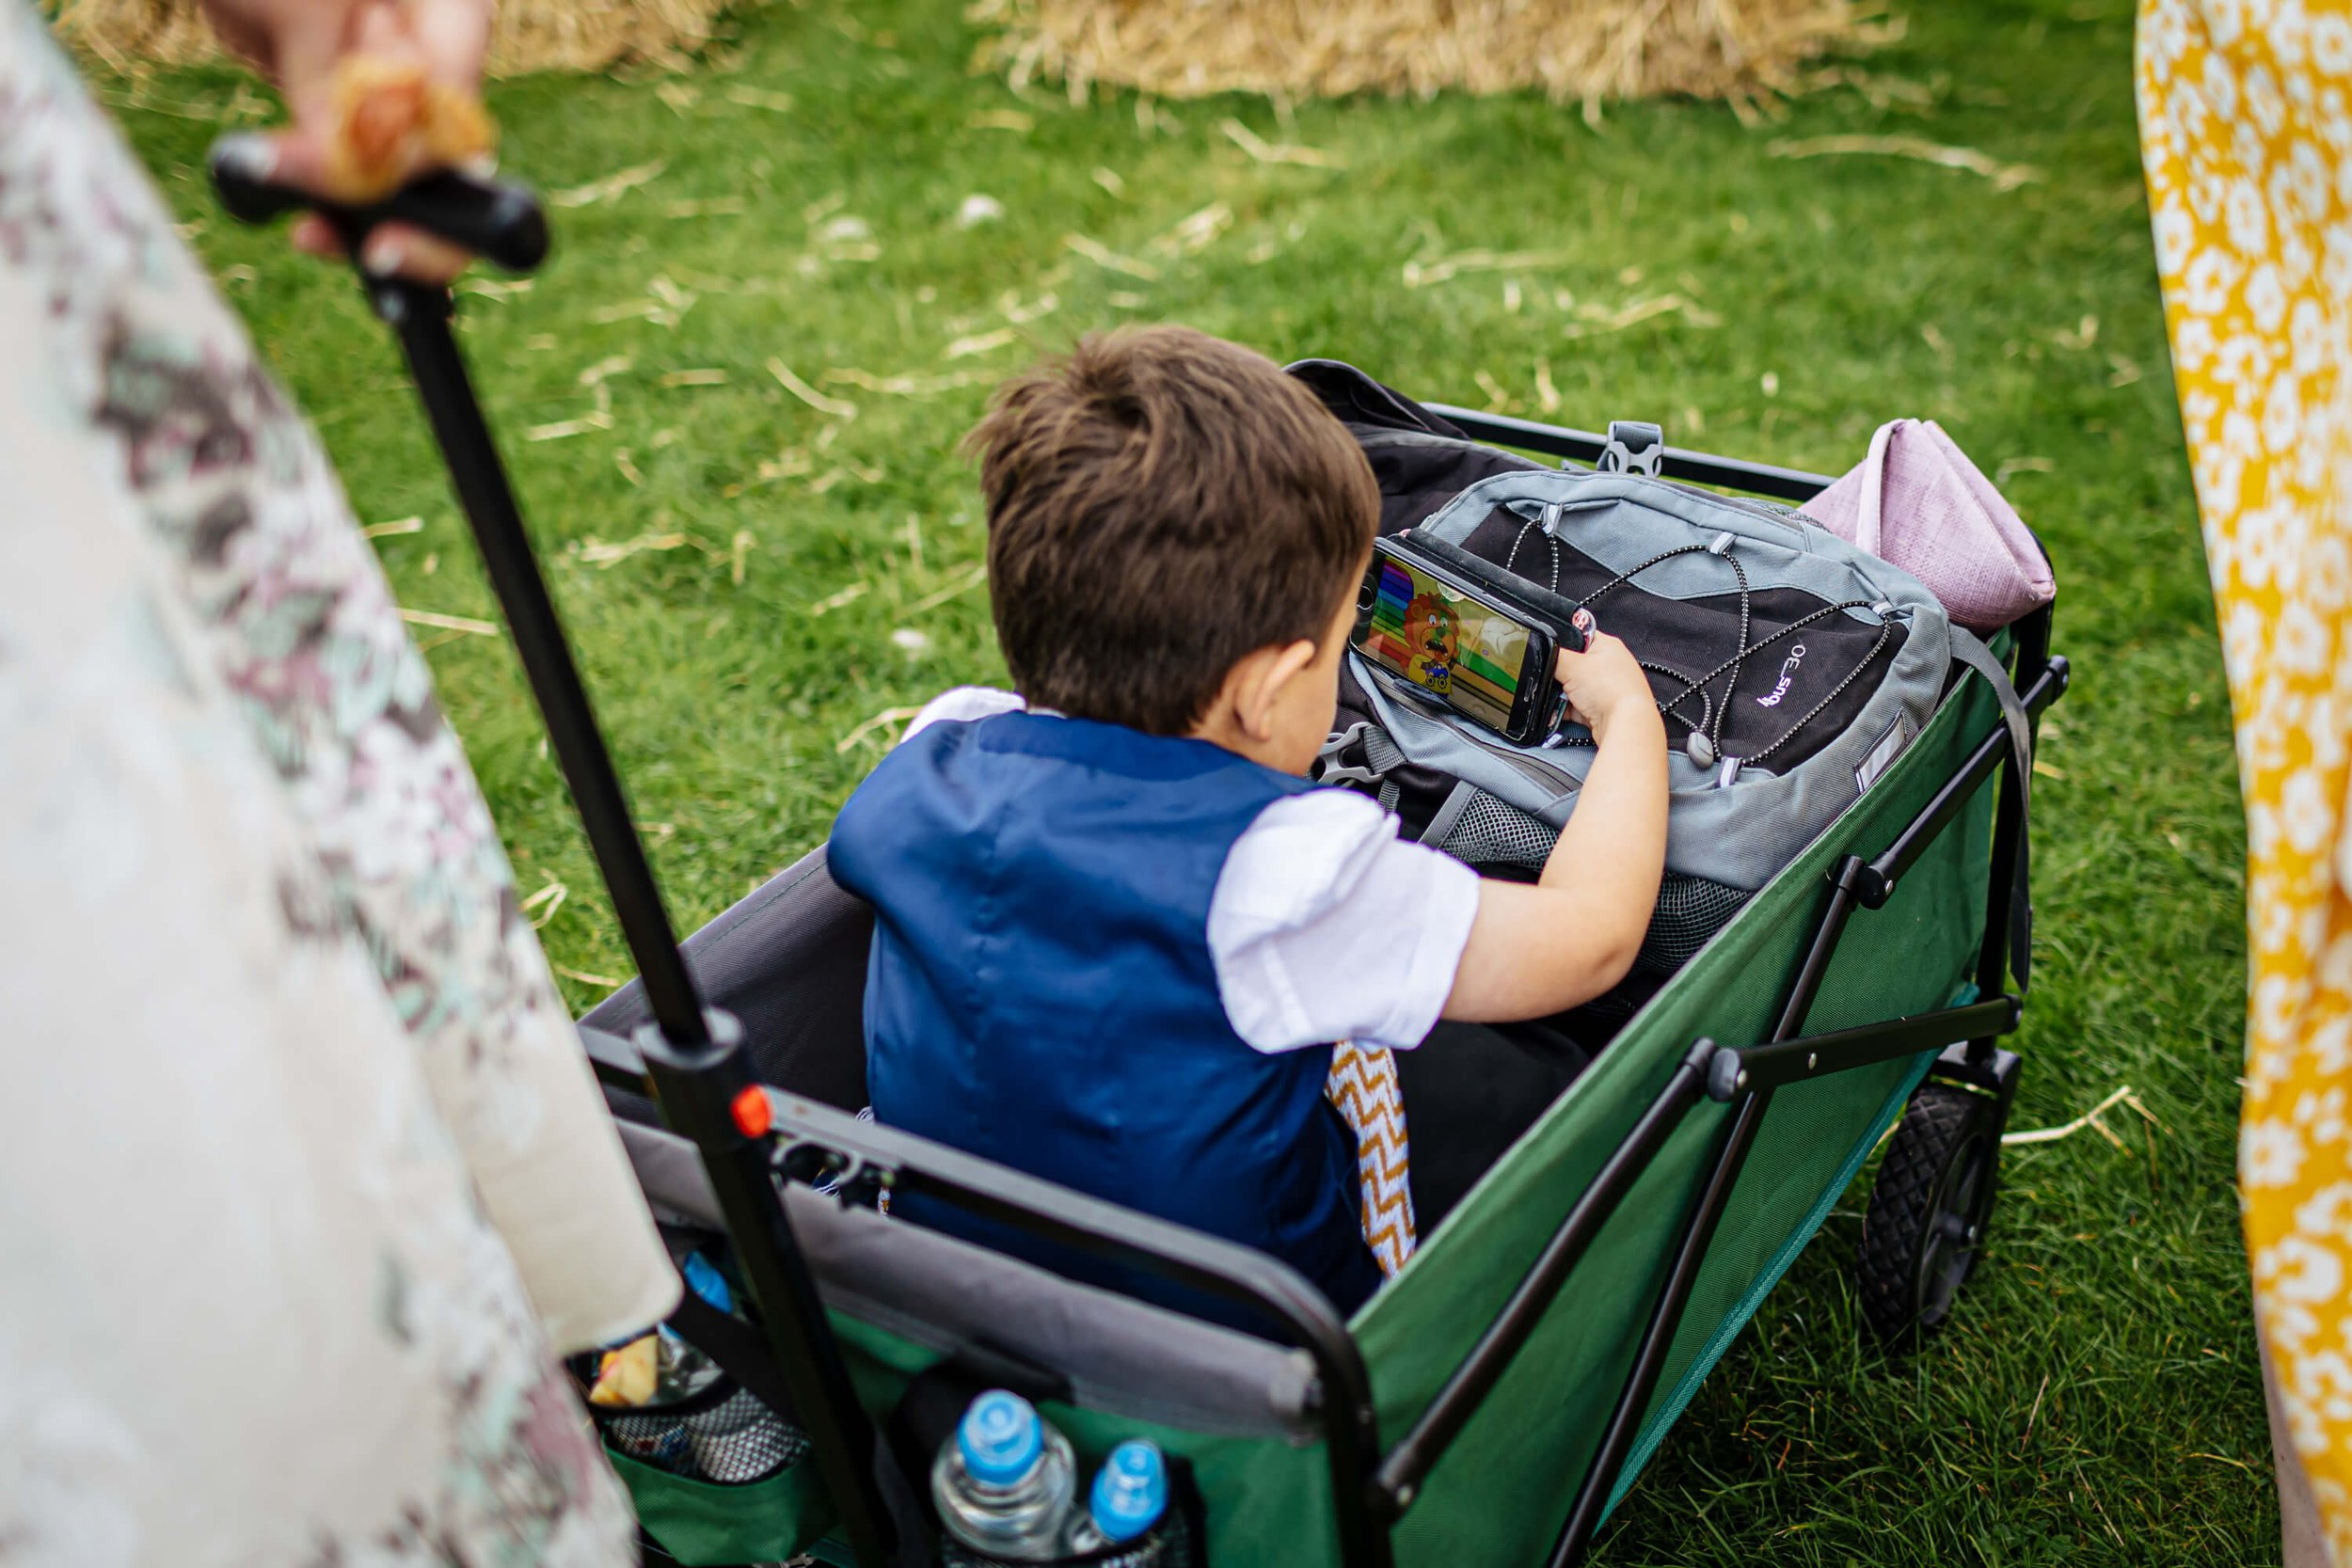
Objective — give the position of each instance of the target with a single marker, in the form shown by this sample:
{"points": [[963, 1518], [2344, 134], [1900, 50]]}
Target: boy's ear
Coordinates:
{"points": [[1255, 685]]}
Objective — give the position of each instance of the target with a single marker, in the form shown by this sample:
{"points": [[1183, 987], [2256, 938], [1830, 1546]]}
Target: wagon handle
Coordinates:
{"points": [[692, 1056], [499, 220]]}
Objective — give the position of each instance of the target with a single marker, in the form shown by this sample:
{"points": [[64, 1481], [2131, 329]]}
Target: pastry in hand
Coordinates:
{"points": [[627, 1376], [391, 124]]}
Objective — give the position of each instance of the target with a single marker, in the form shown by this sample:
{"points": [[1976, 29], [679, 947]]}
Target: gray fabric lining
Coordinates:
{"points": [[1122, 1356]]}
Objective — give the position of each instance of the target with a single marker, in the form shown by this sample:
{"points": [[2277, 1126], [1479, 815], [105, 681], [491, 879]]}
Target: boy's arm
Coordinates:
{"points": [[1534, 951]]}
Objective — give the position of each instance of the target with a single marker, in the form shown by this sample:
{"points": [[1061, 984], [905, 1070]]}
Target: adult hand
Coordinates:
{"points": [[299, 45]]}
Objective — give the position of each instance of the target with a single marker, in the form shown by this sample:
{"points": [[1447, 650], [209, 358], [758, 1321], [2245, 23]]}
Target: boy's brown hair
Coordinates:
{"points": [[1160, 503]]}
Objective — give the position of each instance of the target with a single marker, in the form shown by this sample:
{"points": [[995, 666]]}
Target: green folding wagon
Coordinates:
{"points": [[1489, 1405]]}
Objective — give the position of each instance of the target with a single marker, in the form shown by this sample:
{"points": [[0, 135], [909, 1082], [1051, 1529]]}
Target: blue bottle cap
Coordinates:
{"points": [[1131, 1491], [1000, 1438], [708, 1282]]}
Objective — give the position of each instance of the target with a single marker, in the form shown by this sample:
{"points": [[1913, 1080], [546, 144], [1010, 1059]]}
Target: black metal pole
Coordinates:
{"points": [[1826, 936], [1702, 467], [1956, 792], [1624, 1421], [1419, 1449], [1600, 1477], [1806, 1056], [693, 1060], [697, 1070], [701, 1090], [420, 316]]}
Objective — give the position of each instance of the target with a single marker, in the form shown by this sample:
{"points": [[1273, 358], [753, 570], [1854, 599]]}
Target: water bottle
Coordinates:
{"points": [[1004, 1486], [1130, 1494]]}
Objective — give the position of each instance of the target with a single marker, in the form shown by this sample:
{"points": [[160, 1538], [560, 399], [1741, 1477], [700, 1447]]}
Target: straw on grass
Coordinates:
{"points": [[962, 585], [837, 407], [553, 895], [834, 601], [611, 186], [887, 717], [2089, 1119], [529, 34], [463, 624], [606, 554], [2005, 177], [1102, 255], [1584, 51]]}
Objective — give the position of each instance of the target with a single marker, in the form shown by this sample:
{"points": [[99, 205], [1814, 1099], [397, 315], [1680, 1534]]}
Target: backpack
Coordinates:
{"points": [[1792, 667]]}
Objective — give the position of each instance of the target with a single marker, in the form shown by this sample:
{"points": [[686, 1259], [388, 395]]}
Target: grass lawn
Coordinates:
{"points": [[796, 203]]}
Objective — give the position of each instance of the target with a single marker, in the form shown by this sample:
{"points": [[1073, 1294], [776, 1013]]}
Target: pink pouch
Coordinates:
{"points": [[1918, 503]]}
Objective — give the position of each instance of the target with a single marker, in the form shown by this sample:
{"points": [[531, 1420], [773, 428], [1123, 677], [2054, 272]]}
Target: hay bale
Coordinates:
{"points": [[531, 35], [1582, 49]]}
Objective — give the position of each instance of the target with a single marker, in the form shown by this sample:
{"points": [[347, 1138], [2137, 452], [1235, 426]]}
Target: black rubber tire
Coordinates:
{"points": [[1925, 1224]]}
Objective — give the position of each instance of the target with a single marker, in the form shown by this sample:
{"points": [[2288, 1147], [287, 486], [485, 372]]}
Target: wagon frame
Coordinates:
{"points": [[1371, 1486]]}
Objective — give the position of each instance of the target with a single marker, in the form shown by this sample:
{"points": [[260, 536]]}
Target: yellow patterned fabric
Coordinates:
{"points": [[1363, 1085], [2246, 127]]}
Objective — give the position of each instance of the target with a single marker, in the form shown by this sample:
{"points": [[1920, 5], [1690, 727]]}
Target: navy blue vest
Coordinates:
{"points": [[1042, 990]]}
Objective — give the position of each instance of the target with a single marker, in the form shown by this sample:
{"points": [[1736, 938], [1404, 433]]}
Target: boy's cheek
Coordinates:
{"points": [[1311, 720]]}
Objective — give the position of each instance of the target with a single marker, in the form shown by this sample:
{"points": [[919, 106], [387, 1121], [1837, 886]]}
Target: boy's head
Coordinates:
{"points": [[1176, 530]]}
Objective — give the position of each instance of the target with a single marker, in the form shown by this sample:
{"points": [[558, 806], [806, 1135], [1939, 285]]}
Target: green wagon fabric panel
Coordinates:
{"points": [[708, 1526], [1668, 1408], [1535, 1436]]}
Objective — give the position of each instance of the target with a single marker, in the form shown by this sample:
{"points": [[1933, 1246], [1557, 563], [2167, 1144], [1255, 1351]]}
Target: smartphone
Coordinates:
{"points": [[1449, 636]]}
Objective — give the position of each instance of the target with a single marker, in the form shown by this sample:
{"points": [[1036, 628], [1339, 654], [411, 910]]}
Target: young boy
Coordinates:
{"points": [[1117, 930]]}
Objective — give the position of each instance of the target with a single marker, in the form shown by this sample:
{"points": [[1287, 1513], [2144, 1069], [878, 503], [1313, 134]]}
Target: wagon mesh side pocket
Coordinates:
{"points": [[722, 1434]]}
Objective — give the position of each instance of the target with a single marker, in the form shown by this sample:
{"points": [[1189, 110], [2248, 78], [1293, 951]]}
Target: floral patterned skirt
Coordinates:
{"points": [[304, 1175], [2245, 123]]}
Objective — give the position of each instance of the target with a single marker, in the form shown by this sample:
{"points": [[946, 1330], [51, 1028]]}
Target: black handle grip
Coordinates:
{"points": [[498, 220]]}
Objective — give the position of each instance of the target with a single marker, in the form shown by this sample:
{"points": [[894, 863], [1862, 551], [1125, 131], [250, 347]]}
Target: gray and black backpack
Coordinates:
{"points": [[1791, 667]]}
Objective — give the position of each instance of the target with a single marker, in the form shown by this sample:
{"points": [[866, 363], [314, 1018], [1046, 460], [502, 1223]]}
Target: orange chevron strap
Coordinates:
{"points": [[1363, 1085]]}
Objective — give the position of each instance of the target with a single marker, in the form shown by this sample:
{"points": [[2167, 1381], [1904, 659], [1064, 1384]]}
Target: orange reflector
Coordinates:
{"points": [[754, 1116]]}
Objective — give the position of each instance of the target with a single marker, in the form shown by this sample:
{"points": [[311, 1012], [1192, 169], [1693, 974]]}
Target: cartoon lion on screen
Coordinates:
{"points": [[1433, 629]]}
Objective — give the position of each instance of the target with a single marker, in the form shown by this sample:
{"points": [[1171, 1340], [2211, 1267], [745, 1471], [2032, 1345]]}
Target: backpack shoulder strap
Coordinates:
{"points": [[1970, 650]]}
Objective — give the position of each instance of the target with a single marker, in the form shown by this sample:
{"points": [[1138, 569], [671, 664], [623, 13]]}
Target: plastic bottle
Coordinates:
{"points": [[1003, 1485], [1129, 1496], [685, 1371]]}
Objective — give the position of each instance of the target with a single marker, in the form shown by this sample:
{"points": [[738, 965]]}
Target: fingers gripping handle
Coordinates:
{"points": [[499, 220]]}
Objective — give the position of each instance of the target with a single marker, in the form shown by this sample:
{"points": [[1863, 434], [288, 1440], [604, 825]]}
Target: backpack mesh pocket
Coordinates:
{"points": [[1490, 831], [1691, 909]]}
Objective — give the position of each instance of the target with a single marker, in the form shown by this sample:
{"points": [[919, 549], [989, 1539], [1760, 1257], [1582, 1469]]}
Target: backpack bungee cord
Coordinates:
{"points": [[1704, 746]]}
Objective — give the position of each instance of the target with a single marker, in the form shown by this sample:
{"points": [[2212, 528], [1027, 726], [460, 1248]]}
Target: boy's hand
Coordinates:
{"points": [[1534, 951], [1603, 682]]}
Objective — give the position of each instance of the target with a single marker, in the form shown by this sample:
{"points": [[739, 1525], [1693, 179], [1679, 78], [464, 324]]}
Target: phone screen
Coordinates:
{"points": [[1443, 640]]}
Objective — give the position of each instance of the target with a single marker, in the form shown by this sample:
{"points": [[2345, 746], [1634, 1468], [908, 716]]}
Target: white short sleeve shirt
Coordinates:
{"points": [[1323, 925]]}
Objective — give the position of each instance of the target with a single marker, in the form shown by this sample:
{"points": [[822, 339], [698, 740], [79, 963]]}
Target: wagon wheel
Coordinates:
{"points": [[1927, 1211]]}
